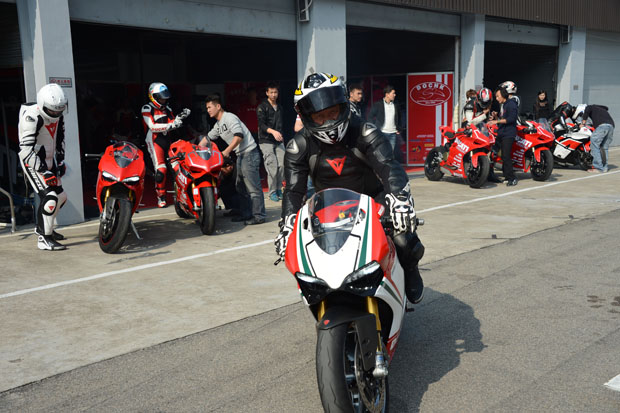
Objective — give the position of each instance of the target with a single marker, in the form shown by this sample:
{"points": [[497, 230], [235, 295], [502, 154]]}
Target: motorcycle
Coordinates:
{"points": [[120, 185], [196, 172], [572, 146], [349, 276], [531, 150], [464, 153]]}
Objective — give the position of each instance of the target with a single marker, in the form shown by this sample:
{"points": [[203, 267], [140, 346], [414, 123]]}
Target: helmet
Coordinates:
{"points": [[320, 91], [510, 87], [579, 111], [51, 101], [485, 97], [157, 92]]}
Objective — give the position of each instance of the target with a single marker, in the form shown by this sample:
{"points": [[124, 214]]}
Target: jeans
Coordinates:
{"points": [[273, 155], [392, 138], [599, 146], [249, 186]]}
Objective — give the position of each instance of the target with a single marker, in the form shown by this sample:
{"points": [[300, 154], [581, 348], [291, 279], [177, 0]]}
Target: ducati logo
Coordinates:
{"points": [[51, 128], [337, 164]]}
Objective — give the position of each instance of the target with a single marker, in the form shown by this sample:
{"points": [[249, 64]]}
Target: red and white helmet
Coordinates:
{"points": [[51, 101], [485, 97], [510, 87], [317, 92], [158, 94]]}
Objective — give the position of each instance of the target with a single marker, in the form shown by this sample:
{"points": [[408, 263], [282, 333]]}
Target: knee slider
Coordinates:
{"points": [[159, 177]]}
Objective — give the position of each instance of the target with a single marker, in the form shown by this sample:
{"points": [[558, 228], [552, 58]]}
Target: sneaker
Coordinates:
{"points": [[279, 192], [512, 182], [255, 221], [46, 242], [274, 197], [595, 171], [161, 202], [55, 235]]}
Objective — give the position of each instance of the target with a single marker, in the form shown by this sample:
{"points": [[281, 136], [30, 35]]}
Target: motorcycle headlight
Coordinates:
{"points": [[314, 289], [365, 280], [109, 177], [132, 180]]}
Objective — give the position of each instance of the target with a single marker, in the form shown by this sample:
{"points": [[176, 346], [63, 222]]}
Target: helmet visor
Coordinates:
{"points": [[321, 99], [53, 113]]}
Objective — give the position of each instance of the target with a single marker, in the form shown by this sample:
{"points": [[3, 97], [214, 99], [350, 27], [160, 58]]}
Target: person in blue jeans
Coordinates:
{"points": [[601, 137]]}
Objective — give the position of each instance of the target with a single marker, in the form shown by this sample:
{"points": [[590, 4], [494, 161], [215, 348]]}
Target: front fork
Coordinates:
{"points": [[372, 307]]}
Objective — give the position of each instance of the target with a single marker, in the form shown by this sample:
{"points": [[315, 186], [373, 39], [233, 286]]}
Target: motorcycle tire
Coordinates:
{"points": [[335, 371], [476, 177], [584, 160], [112, 238], [177, 207], [541, 171], [207, 210], [432, 170]]}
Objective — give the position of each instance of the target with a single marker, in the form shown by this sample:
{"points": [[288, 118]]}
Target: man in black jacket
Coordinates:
{"points": [[337, 153], [601, 138], [506, 132], [270, 139], [384, 114]]}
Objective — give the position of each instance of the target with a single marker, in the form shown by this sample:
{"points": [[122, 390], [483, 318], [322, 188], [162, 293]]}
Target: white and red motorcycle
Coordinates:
{"points": [[348, 274], [572, 145]]}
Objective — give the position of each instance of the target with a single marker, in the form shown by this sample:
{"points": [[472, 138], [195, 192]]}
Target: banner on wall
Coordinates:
{"points": [[429, 106]]}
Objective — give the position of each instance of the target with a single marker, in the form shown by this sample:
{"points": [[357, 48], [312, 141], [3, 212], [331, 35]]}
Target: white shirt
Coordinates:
{"points": [[389, 126]]}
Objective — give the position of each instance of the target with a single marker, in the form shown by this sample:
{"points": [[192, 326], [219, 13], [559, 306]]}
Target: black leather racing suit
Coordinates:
{"points": [[363, 162]]}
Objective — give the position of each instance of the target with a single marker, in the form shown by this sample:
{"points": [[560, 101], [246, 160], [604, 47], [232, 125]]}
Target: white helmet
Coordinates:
{"points": [[158, 94], [579, 111], [510, 87], [51, 101], [317, 92]]}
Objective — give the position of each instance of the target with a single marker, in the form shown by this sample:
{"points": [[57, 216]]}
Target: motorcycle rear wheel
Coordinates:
{"points": [[584, 160], [338, 371], [477, 176], [207, 210], [113, 233], [432, 170], [541, 171]]}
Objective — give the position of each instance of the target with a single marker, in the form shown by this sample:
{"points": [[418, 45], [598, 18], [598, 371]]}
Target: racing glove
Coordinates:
{"points": [[50, 178], [176, 124], [286, 228], [400, 206], [184, 113], [62, 169]]}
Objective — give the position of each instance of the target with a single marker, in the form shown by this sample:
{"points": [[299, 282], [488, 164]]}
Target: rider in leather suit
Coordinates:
{"points": [[42, 155], [336, 151]]}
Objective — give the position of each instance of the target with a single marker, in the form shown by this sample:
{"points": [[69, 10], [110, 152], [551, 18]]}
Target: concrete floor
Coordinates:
{"points": [[62, 310]]}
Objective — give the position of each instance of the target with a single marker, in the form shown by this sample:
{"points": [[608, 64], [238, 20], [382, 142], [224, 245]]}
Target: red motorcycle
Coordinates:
{"points": [[196, 177], [119, 191], [464, 153], [572, 146], [531, 150]]}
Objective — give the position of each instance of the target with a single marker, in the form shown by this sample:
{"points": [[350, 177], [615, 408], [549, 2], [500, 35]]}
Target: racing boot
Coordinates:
{"points": [[47, 242], [414, 286], [55, 235], [410, 251]]}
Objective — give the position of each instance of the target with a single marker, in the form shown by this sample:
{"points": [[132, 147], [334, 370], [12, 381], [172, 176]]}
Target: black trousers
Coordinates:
{"points": [[506, 147]]}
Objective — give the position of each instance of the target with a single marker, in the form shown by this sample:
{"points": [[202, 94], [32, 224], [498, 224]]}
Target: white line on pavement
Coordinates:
{"points": [[139, 267], [614, 383], [256, 244]]}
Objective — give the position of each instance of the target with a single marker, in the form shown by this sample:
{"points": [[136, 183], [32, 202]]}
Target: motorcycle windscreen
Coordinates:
{"points": [[125, 153], [204, 154], [333, 213]]}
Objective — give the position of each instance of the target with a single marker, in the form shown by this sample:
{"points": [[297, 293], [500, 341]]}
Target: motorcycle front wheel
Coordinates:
{"points": [[432, 170], [541, 171], [207, 210], [343, 385], [584, 160], [113, 231], [477, 176]]}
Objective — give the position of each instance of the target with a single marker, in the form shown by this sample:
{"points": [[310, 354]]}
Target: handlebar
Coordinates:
{"points": [[93, 155]]}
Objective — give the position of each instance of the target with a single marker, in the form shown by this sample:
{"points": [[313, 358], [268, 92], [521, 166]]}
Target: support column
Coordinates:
{"points": [[571, 68], [47, 52], [322, 41], [472, 53]]}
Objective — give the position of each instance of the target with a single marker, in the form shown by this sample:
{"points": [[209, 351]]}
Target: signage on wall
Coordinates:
{"points": [[429, 106], [61, 81]]}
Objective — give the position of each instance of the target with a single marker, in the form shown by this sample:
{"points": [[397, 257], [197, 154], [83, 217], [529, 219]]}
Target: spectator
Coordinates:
{"points": [[239, 139], [384, 114], [601, 137], [356, 95], [506, 132], [542, 110], [270, 139]]}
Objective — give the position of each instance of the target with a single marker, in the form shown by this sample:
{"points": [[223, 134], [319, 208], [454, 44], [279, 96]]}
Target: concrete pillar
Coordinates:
{"points": [[571, 68], [47, 52], [472, 53], [321, 42]]}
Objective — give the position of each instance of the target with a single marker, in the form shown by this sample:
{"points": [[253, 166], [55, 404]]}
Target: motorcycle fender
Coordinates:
{"points": [[365, 326], [537, 152], [474, 158]]}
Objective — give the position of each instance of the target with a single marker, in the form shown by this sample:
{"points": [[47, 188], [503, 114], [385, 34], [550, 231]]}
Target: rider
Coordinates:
{"points": [[477, 108], [158, 121], [337, 153], [559, 116], [42, 155]]}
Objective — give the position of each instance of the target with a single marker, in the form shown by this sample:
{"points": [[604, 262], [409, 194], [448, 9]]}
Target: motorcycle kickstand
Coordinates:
{"points": [[135, 231]]}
